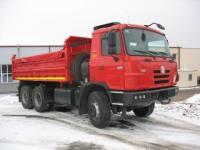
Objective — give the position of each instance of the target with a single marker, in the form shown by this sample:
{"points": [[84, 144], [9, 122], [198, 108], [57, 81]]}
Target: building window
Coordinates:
{"points": [[0, 74], [198, 80], [5, 73], [4, 68], [190, 77]]}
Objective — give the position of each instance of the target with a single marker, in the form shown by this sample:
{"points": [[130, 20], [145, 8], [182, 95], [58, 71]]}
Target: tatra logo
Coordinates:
{"points": [[162, 69]]}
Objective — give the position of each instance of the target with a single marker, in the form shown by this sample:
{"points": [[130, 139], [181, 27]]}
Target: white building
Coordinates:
{"points": [[188, 60]]}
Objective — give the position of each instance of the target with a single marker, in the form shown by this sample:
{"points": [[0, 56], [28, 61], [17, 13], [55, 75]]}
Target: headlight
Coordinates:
{"points": [[174, 78]]}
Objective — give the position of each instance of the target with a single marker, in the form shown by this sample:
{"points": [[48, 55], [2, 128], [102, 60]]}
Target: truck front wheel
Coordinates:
{"points": [[25, 96], [39, 99], [144, 111], [99, 109]]}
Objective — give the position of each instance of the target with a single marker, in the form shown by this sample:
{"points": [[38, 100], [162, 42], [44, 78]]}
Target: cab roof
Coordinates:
{"points": [[117, 25]]}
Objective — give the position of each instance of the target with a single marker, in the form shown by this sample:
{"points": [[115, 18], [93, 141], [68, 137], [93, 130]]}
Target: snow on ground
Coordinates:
{"points": [[186, 110], [175, 126], [29, 132]]}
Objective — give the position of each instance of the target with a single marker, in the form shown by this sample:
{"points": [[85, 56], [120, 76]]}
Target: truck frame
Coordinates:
{"points": [[123, 67]]}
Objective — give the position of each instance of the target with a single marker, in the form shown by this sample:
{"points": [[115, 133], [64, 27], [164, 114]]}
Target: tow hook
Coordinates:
{"points": [[166, 101]]}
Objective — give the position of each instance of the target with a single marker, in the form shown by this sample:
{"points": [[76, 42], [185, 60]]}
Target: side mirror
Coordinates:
{"points": [[160, 26], [157, 24], [112, 43], [174, 56]]}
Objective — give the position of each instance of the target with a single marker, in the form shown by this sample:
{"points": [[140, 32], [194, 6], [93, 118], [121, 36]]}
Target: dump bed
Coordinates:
{"points": [[54, 66]]}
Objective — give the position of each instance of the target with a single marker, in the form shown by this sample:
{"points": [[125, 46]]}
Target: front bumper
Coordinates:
{"points": [[143, 98]]}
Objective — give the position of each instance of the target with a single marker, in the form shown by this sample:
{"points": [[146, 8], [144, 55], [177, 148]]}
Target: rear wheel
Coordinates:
{"points": [[39, 97], [99, 109], [144, 111], [25, 96]]}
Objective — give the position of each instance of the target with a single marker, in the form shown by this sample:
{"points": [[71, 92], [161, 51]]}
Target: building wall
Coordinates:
{"points": [[6, 54], [189, 58], [188, 61], [187, 78], [9, 88], [29, 51]]}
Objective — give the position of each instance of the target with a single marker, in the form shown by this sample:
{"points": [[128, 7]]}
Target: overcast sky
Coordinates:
{"points": [[51, 21]]}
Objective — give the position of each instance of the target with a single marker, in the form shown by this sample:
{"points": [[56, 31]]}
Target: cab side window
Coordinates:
{"points": [[104, 43]]}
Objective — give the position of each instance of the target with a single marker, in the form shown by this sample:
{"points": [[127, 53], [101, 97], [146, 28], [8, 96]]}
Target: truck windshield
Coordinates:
{"points": [[143, 42]]}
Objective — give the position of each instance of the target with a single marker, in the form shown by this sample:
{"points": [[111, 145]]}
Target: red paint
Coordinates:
{"points": [[54, 64], [130, 73]]}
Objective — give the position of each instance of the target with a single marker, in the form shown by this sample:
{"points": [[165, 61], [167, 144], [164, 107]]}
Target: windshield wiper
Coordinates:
{"points": [[163, 54], [145, 52]]}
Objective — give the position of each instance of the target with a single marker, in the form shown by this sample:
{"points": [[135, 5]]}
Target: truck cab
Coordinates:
{"points": [[131, 58]]}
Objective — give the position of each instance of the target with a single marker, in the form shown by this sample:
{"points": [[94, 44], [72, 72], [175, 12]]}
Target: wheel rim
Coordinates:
{"points": [[38, 99], [25, 98], [94, 111]]}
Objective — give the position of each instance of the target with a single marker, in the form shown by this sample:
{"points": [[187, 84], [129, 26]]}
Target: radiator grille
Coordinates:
{"points": [[160, 78]]}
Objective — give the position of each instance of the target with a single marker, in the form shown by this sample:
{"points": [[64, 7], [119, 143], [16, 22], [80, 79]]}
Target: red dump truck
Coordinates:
{"points": [[123, 67]]}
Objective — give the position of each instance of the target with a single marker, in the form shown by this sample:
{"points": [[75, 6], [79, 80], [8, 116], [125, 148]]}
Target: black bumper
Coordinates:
{"points": [[143, 98]]}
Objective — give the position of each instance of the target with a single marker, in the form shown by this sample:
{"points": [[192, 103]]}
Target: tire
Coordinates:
{"points": [[99, 110], [39, 98], [77, 64], [144, 111], [25, 96]]}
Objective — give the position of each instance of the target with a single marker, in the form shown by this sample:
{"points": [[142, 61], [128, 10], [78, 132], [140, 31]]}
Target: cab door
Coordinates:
{"points": [[111, 67]]}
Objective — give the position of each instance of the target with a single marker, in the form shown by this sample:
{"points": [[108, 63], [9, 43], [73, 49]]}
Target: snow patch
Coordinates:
{"points": [[176, 124], [8, 100], [188, 110]]}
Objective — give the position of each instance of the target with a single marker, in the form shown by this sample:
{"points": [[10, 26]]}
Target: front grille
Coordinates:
{"points": [[158, 71], [160, 78], [161, 81]]}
